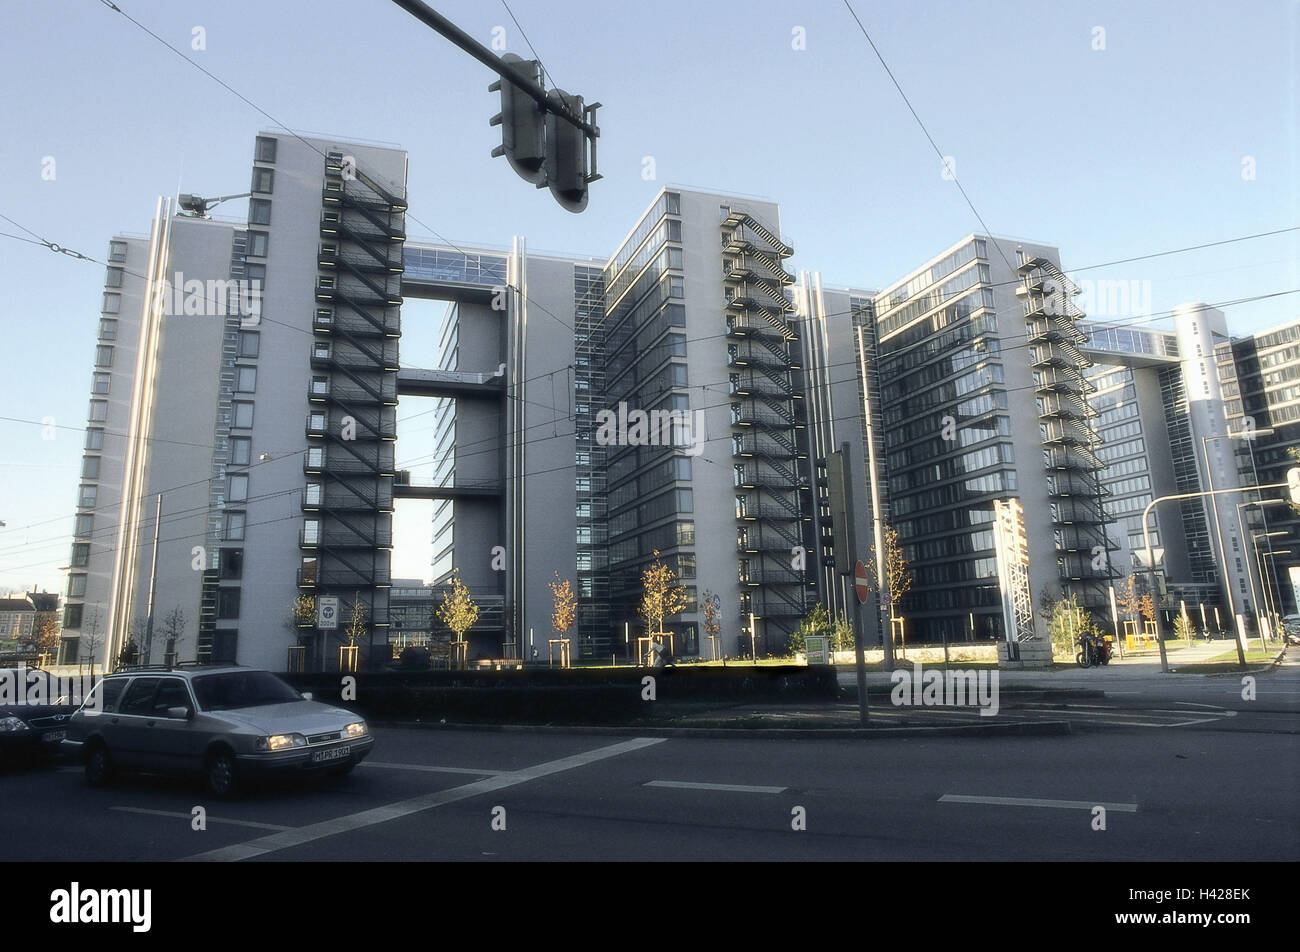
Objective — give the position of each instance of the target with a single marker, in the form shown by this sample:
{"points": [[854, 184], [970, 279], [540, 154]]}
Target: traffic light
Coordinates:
{"points": [[523, 124], [566, 151], [1293, 483]]}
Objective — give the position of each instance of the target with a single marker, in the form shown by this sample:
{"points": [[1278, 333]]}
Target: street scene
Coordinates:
{"points": [[546, 432]]}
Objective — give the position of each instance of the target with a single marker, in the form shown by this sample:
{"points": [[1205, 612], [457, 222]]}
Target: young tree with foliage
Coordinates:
{"points": [[898, 576], [1183, 628], [712, 614], [47, 636], [564, 610], [817, 623], [458, 611], [356, 626], [302, 612], [661, 596], [1067, 622], [1128, 599], [1147, 605]]}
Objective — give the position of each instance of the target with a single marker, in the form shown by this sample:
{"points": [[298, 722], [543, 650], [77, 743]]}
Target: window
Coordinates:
{"points": [[320, 386], [234, 528], [241, 450], [94, 438], [237, 487], [316, 457], [80, 554], [259, 211], [90, 467], [138, 699], [99, 383], [103, 356], [257, 243], [243, 415], [108, 328], [265, 150], [112, 302], [232, 563], [249, 343], [76, 586], [86, 498], [307, 573], [117, 251], [171, 693], [84, 526], [245, 379], [228, 603], [316, 422], [311, 532], [114, 278], [315, 492], [72, 616], [256, 275]]}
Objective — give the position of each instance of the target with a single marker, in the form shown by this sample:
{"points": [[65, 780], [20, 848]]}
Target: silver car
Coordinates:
{"points": [[229, 724]]}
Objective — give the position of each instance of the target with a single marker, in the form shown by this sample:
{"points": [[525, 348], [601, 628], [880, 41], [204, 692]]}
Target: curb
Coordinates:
{"points": [[1039, 729]]}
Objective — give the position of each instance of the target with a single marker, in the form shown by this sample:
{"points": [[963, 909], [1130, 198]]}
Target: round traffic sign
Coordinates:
{"points": [[860, 583]]}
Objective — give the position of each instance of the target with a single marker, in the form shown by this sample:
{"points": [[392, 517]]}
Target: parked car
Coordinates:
{"points": [[227, 724], [34, 717]]}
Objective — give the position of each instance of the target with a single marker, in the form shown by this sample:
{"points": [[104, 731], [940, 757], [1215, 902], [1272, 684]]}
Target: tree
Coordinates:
{"points": [[712, 614], [91, 638], [47, 635], [173, 634], [302, 613], [1067, 622], [842, 635], [817, 623], [661, 596], [1127, 597], [1147, 606], [898, 576], [1183, 628], [458, 611], [565, 609], [356, 626]]}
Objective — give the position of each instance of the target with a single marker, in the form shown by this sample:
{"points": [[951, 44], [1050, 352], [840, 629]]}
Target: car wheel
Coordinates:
{"points": [[99, 766], [219, 774]]}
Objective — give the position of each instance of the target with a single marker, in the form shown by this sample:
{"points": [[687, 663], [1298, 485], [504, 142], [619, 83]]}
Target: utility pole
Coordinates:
{"points": [[147, 647]]}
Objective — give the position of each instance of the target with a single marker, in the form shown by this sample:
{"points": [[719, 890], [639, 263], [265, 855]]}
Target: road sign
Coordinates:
{"points": [[861, 584], [816, 649], [327, 612]]}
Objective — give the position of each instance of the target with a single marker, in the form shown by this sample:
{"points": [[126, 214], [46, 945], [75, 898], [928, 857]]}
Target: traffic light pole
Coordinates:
{"points": [[436, 21], [859, 636]]}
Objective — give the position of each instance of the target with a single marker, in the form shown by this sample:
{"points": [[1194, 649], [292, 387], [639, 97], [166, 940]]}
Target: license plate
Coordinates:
{"points": [[54, 736], [324, 756]]}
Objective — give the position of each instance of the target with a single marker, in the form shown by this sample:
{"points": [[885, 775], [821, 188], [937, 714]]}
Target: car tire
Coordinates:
{"points": [[99, 766], [219, 774]]}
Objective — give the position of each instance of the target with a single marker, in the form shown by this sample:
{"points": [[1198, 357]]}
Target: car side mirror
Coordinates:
{"points": [[180, 713], [306, 695]]}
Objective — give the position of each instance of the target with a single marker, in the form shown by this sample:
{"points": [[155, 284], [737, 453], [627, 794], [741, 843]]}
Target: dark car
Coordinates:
{"points": [[34, 714], [226, 724]]}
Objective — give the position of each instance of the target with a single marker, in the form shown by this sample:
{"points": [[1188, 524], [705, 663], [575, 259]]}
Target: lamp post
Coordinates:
{"points": [[1151, 569]]}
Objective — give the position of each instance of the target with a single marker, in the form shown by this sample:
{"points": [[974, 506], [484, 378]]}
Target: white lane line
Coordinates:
{"points": [[730, 787], [1035, 802], [394, 811], [430, 769], [176, 815], [1200, 720]]}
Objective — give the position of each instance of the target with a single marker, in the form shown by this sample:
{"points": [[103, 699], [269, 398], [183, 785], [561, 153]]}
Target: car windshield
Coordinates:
{"points": [[239, 689]]}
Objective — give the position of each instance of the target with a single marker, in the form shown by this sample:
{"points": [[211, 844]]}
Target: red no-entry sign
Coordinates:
{"points": [[860, 583]]}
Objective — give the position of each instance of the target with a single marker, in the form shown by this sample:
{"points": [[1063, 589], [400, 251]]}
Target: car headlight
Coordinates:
{"points": [[358, 729], [281, 742], [12, 725]]}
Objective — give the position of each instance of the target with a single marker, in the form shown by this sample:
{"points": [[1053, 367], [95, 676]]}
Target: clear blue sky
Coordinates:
{"points": [[1105, 153]]}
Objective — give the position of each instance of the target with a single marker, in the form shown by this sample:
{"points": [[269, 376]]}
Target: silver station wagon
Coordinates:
{"points": [[229, 724]]}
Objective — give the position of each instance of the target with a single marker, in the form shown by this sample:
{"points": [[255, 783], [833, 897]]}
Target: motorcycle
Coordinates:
{"points": [[1094, 650]]}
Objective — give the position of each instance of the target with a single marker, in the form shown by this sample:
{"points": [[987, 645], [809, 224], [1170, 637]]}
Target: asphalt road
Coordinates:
{"points": [[1221, 788]]}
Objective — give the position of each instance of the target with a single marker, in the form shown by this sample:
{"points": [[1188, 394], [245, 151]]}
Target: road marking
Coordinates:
{"points": [[176, 815], [393, 811], [1035, 802], [429, 769], [731, 787]]}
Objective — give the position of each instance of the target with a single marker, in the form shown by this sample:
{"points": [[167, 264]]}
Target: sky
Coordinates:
{"points": [[1108, 129]]}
